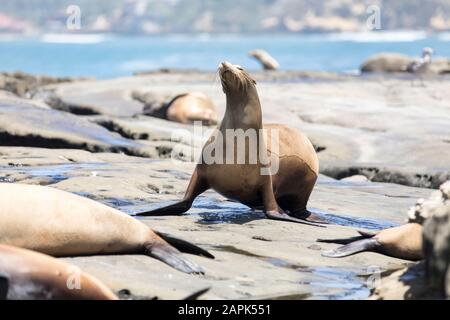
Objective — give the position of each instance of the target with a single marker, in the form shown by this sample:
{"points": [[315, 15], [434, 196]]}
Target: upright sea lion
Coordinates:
{"points": [[267, 61], [26, 275], [404, 242], [283, 194], [60, 223]]}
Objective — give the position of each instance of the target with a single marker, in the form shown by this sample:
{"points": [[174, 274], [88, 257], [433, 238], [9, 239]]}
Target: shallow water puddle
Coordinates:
{"points": [[328, 283], [213, 211], [349, 221], [52, 173]]}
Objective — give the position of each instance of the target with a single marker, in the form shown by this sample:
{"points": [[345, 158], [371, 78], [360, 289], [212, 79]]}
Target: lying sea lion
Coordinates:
{"points": [[387, 62], [284, 194], [404, 242], [183, 108], [191, 107], [26, 275], [267, 61], [60, 223]]}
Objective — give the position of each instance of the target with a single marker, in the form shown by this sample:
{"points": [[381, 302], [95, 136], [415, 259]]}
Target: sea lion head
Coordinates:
{"points": [[235, 79]]}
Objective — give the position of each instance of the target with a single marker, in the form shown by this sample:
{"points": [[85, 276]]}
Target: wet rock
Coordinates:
{"points": [[255, 257]]}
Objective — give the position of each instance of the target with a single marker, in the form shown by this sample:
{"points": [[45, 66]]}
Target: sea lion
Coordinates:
{"points": [[404, 242], [267, 61], [283, 195], [387, 62], [60, 223], [191, 107], [183, 108], [26, 275]]}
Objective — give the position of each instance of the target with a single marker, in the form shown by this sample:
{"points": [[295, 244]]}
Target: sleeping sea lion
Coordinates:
{"points": [[283, 195], [60, 223], [26, 275], [404, 242]]}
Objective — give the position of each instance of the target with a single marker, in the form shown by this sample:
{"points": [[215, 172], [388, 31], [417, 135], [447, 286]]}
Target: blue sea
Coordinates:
{"points": [[108, 56]]}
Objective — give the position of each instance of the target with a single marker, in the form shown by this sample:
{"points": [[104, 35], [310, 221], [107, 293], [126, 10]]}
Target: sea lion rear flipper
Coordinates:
{"points": [[368, 234], [4, 287], [285, 217], [185, 246], [197, 294], [171, 256], [342, 240], [370, 244]]}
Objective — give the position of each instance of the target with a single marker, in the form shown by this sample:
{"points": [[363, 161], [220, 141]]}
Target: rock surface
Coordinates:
{"points": [[22, 123], [360, 127], [381, 128], [255, 257]]}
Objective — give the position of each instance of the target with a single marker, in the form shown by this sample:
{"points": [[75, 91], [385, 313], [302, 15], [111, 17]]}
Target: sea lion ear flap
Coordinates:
{"points": [[4, 286]]}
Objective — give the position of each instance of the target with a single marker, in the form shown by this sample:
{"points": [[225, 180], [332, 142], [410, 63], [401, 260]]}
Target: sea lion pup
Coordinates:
{"points": [[26, 275], [190, 107], [60, 223], [267, 61], [404, 242], [286, 191]]}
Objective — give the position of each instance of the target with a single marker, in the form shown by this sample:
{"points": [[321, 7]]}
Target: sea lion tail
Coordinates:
{"points": [[185, 246], [370, 244], [197, 294], [4, 287], [172, 257]]}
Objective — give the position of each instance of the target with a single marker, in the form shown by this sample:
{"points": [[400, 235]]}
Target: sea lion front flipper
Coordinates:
{"points": [[175, 209], [197, 186], [284, 217], [308, 216], [185, 246], [4, 287], [370, 244], [171, 256]]}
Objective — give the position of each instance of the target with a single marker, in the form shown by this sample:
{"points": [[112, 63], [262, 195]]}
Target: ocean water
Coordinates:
{"points": [[108, 56]]}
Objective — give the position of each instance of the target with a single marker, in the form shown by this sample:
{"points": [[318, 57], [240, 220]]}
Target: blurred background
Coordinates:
{"points": [[110, 38]]}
